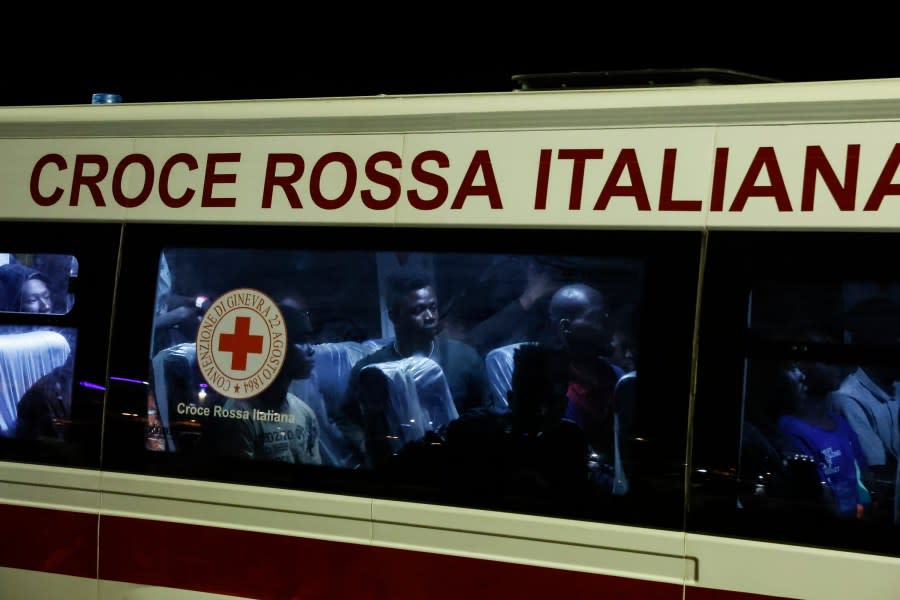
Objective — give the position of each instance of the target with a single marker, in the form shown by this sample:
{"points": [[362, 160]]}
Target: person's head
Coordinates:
{"points": [[25, 289], [298, 360], [624, 340], [822, 378], [412, 305], [35, 295], [776, 387], [579, 315], [792, 382]]}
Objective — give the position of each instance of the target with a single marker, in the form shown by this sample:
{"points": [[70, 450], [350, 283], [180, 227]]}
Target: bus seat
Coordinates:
{"points": [[176, 378], [24, 359], [499, 366], [333, 361], [333, 447], [412, 394]]}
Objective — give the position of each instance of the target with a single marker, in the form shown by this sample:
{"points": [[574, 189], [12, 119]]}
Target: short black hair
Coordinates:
{"points": [[297, 324], [403, 281]]}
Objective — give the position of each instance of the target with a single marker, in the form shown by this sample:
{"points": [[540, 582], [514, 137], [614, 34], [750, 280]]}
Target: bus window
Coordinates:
{"points": [[37, 283], [483, 376], [56, 295], [807, 387]]}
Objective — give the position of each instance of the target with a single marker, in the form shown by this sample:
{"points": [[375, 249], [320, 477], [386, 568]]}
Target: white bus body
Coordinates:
{"points": [[664, 193]]}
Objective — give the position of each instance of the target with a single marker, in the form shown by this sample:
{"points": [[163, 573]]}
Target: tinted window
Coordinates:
{"points": [[439, 365], [797, 434], [56, 295]]}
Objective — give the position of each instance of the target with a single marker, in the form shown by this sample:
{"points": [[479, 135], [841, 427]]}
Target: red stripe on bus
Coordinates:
{"points": [[259, 565], [54, 541]]}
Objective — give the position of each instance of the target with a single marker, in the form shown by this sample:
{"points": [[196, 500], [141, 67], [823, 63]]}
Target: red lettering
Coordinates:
{"points": [[481, 161], [211, 178], [717, 200], [765, 157], [578, 158], [429, 178], [381, 178], [285, 182], [884, 187], [543, 179], [844, 195], [167, 198], [34, 184], [316, 179], [666, 202], [119, 194], [90, 181], [627, 160]]}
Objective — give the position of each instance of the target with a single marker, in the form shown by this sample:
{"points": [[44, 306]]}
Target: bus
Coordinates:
{"points": [[633, 343]]}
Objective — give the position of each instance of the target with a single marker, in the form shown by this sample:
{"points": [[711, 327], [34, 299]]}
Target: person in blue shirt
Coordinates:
{"points": [[813, 429]]}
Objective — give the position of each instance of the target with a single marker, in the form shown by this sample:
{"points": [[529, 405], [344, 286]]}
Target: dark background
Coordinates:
{"points": [[181, 52]]}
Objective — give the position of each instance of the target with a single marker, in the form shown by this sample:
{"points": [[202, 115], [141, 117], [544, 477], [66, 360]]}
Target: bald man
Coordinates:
{"points": [[580, 318]]}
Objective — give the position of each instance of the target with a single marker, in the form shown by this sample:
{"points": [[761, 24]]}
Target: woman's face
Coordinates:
{"points": [[35, 297]]}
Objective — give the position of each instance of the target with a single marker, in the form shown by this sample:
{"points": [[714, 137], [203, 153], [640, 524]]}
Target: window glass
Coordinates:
{"points": [[807, 391], [481, 377], [56, 290], [37, 283]]}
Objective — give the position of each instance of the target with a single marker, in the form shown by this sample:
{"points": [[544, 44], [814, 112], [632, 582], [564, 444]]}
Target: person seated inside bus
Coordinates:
{"points": [[413, 309], [774, 475], [811, 428], [579, 315], [528, 454], [294, 439], [23, 289], [45, 410], [867, 396], [178, 321], [624, 354]]}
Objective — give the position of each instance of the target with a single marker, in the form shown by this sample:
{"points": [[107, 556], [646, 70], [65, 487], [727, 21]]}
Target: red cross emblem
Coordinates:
{"points": [[240, 343]]}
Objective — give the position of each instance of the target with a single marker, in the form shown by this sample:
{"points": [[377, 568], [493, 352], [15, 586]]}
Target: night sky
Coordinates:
{"points": [[343, 51]]}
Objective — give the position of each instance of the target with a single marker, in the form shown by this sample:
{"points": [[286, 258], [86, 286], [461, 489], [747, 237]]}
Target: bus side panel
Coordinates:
{"points": [[789, 571], [49, 515], [261, 565]]}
